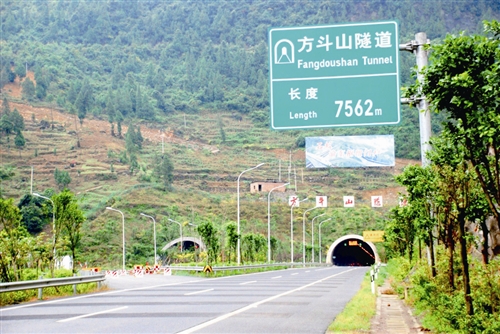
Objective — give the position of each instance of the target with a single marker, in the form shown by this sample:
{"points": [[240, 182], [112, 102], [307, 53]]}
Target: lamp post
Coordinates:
{"points": [[53, 222], [291, 229], [180, 226], [123, 234], [312, 236], [238, 248], [320, 237], [269, 221], [154, 231], [304, 235]]}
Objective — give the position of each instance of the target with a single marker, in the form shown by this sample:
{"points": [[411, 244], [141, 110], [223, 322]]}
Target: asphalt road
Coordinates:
{"points": [[303, 300]]}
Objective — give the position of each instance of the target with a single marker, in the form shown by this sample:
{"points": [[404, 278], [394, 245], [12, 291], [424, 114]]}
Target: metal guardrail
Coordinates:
{"points": [[252, 266], [50, 282]]}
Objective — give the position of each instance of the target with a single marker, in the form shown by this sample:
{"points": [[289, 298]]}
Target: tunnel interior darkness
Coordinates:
{"points": [[189, 245], [353, 252]]}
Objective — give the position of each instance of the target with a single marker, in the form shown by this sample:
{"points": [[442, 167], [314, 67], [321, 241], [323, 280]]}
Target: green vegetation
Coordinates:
{"points": [[124, 62], [358, 313], [458, 194]]}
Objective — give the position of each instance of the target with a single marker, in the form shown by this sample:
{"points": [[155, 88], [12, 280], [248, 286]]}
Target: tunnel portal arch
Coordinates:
{"points": [[352, 250], [187, 243]]}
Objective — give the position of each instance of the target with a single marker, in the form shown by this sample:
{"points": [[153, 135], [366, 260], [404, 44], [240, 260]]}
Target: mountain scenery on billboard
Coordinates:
{"points": [[350, 151]]}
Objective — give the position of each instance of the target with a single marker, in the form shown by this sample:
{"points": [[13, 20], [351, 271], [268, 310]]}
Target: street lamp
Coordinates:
{"points": [[123, 234], [304, 234], [312, 236], [320, 237], [180, 226], [53, 222], [154, 231], [291, 229], [269, 220], [238, 248]]}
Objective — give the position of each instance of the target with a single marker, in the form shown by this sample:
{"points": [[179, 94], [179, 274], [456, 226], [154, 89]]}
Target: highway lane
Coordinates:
{"points": [[301, 300]]}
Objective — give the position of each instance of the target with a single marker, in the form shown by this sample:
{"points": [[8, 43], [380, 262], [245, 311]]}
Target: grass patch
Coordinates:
{"points": [[356, 316]]}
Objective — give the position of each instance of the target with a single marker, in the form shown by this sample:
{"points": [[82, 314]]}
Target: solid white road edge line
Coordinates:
{"points": [[92, 314], [243, 309], [197, 292]]}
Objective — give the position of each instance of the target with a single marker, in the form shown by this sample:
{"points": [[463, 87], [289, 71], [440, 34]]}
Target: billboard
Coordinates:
{"points": [[350, 151]]}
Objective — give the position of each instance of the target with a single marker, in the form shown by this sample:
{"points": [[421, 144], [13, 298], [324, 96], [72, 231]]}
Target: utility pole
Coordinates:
{"points": [[417, 46]]}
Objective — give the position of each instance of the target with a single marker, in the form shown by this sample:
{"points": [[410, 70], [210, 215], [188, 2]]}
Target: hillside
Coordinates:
{"points": [[205, 174], [194, 77], [202, 161]]}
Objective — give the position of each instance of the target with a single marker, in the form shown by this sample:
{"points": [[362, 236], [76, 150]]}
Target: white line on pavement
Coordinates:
{"points": [[197, 292], [276, 277], [249, 282], [92, 314], [46, 302], [295, 274], [248, 307]]}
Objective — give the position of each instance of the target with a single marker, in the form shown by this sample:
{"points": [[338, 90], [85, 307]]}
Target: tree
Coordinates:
{"points": [[163, 170], [28, 89], [70, 218], [232, 239], [84, 101], [420, 185], [463, 79], [139, 138], [62, 178], [20, 70], [13, 243], [131, 140], [400, 232], [19, 141], [459, 194], [119, 120], [6, 125], [5, 106], [208, 234], [33, 217], [17, 120]]}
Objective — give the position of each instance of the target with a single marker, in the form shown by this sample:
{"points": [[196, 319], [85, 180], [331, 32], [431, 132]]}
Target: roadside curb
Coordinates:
{"points": [[393, 315]]}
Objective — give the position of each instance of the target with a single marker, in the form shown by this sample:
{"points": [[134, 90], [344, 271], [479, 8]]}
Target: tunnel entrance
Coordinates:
{"points": [[352, 250], [188, 244]]}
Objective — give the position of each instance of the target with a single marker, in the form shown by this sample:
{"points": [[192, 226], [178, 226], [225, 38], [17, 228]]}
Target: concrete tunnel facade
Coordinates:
{"points": [[187, 242], [352, 250]]}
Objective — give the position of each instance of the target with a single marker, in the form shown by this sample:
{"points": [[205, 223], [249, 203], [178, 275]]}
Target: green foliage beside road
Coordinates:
{"points": [[454, 203]]}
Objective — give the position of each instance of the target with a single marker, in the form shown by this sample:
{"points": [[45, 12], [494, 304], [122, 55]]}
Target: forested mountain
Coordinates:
{"points": [[141, 59]]}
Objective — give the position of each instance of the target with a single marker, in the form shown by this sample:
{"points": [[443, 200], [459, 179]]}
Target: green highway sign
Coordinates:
{"points": [[334, 75]]}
